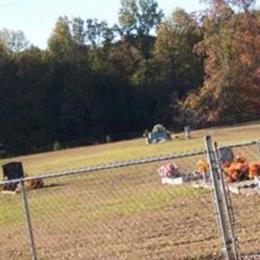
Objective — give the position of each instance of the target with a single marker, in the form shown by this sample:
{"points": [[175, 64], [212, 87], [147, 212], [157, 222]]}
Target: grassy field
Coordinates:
{"points": [[125, 150], [125, 213]]}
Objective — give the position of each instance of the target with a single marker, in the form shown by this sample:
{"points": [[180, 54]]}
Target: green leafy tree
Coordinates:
{"points": [[139, 18], [15, 41], [61, 44], [136, 22], [179, 67], [99, 34], [78, 30]]}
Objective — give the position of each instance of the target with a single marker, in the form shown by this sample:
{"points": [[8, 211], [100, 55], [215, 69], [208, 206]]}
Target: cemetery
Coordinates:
{"points": [[151, 199], [240, 175]]}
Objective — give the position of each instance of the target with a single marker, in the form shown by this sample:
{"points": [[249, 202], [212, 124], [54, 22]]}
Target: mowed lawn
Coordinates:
{"points": [[90, 155]]}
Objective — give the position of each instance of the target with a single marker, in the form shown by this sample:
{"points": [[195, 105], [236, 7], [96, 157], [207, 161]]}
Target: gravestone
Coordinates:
{"points": [[12, 171], [158, 137], [159, 134], [226, 154], [258, 146], [187, 132]]}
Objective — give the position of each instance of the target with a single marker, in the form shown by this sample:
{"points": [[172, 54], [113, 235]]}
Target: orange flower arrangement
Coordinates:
{"points": [[240, 158], [238, 170], [254, 170], [202, 166]]}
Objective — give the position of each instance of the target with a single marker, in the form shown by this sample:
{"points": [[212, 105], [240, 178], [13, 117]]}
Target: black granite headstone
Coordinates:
{"points": [[12, 171]]}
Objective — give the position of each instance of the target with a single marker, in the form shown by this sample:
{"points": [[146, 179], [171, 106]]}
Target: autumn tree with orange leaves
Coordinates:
{"points": [[231, 47]]}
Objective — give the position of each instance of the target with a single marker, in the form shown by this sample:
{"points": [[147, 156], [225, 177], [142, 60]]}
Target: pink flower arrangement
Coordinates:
{"points": [[168, 170]]}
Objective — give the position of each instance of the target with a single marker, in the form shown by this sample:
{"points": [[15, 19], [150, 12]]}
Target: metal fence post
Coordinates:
{"points": [[220, 202], [258, 146], [28, 220], [227, 202]]}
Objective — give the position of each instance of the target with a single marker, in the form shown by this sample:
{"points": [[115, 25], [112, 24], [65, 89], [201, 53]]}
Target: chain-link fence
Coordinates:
{"points": [[121, 211], [245, 199]]}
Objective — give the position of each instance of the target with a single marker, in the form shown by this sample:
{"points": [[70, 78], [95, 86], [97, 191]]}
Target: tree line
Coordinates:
{"points": [[94, 80]]}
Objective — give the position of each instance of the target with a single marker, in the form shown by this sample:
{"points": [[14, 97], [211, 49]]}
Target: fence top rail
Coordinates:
{"points": [[241, 144], [107, 166]]}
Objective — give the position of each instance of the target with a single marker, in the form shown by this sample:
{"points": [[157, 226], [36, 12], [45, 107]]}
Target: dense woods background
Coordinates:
{"points": [[95, 82]]}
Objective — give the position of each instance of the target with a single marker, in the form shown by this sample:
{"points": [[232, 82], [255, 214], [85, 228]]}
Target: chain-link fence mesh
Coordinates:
{"points": [[246, 205], [14, 243], [121, 213], [125, 212]]}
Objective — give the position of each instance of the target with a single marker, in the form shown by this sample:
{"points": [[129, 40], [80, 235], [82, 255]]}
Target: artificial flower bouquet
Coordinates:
{"points": [[170, 170]]}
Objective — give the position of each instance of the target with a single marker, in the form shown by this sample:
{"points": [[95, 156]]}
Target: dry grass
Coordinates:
{"points": [[120, 214], [124, 213], [84, 156]]}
